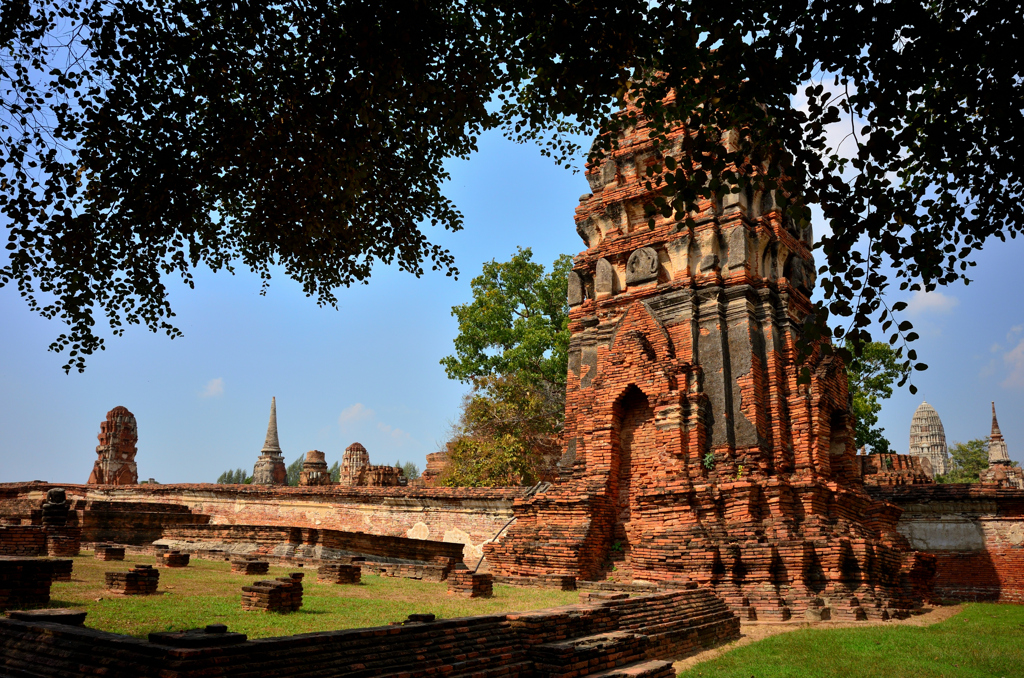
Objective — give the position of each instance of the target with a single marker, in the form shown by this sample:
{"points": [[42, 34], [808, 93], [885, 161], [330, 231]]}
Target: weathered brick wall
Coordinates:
{"points": [[506, 645], [976, 534], [468, 516]]}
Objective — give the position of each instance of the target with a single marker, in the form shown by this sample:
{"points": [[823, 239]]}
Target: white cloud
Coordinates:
{"points": [[931, 302], [213, 388], [1014, 359], [395, 433], [354, 413]]}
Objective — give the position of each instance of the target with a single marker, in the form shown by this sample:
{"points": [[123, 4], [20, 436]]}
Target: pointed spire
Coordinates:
{"points": [[997, 452], [271, 445]]}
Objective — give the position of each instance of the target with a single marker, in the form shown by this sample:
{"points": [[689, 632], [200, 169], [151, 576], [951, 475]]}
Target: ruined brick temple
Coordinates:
{"points": [[118, 437], [692, 452], [928, 440]]}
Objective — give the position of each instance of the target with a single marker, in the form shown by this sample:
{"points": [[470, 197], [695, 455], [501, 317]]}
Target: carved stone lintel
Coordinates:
{"points": [[575, 289]]}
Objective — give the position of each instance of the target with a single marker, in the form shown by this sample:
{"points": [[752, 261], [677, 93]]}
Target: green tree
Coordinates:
{"points": [[871, 376], [335, 471], [512, 347], [236, 477], [147, 139], [293, 471], [517, 323], [967, 460], [412, 472]]}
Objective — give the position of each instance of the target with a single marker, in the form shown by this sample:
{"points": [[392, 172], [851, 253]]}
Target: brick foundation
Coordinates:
{"points": [[174, 559], [108, 552], [250, 567], [63, 542], [25, 582], [466, 584], [274, 595], [141, 580], [62, 569], [337, 573]]}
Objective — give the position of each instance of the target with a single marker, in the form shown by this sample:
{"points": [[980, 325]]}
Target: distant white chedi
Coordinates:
{"points": [[928, 439]]}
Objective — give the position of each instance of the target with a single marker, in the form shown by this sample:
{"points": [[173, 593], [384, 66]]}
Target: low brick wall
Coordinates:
{"points": [[467, 516], [300, 542], [507, 645], [975, 532]]}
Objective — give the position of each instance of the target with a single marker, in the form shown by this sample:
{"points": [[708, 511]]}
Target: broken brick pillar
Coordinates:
{"points": [[119, 434], [693, 449]]}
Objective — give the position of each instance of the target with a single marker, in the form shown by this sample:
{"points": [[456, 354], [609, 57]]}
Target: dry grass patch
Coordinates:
{"points": [[207, 592]]}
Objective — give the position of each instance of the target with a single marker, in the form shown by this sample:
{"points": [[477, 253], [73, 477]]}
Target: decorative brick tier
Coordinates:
{"points": [[250, 567], [693, 448], [517, 645], [108, 552], [141, 580], [174, 559], [24, 582], [338, 573], [466, 584], [22, 540], [283, 594], [63, 542], [62, 569]]}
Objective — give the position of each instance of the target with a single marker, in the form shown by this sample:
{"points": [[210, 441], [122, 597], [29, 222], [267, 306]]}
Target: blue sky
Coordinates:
{"points": [[369, 371]]}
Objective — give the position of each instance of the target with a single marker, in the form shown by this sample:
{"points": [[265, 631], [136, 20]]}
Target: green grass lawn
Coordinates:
{"points": [[206, 592], [983, 640]]}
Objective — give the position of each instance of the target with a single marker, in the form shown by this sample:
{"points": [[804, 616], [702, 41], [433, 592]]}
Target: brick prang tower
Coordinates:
{"points": [[119, 435], [692, 452]]}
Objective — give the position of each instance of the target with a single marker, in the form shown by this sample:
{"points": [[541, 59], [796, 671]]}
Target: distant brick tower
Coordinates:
{"points": [[270, 468], [1000, 471], [928, 438], [314, 470], [997, 452], [118, 437], [692, 452], [353, 465]]}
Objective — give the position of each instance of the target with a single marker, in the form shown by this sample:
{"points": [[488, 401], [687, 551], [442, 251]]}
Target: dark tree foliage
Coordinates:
{"points": [[172, 134]]}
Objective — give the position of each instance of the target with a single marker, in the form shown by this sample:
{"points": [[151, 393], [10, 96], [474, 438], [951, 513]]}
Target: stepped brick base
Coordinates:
{"points": [[24, 582], [468, 585], [141, 580], [274, 595], [250, 567], [543, 581], [174, 559], [55, 615], [338, 573]]}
